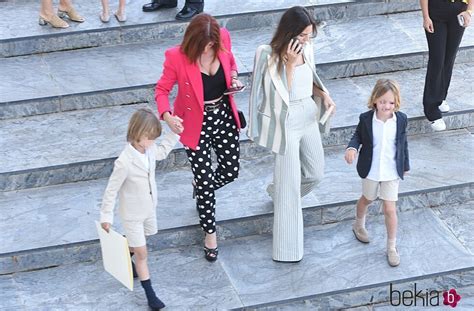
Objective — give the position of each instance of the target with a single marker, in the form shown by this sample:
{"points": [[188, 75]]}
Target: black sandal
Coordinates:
{"points": [[211, 253]]}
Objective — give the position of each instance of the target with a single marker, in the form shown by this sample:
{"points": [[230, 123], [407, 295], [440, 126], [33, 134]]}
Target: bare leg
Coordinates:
{"points": [[391, 222], [46, 9], [121, 8], [359, 225], [105, 7], [362, 205], [64, 5], [141, 264], [211, 240]]}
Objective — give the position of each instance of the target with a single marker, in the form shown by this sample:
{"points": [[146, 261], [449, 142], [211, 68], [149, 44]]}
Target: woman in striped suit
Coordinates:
{"points": [[286, 102]]}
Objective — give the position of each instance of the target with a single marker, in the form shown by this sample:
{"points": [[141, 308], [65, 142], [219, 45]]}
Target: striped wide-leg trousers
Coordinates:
{"points": [[296, 174]]}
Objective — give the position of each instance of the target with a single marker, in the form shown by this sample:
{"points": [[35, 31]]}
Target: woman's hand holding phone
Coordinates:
{"points": [[236, 83], [295, 48], [235, 87]]}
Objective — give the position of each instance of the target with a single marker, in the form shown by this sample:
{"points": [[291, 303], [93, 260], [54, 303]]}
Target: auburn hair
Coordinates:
{"points": [[202, 29], [381, 87], [143, 123]]}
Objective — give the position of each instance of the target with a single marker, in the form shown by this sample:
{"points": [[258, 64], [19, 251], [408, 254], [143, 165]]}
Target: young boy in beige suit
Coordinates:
{"points": [[133, 180]]}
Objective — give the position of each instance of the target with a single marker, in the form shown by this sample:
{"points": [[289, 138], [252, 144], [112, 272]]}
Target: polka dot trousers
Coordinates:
{"points": [[219, 132]]}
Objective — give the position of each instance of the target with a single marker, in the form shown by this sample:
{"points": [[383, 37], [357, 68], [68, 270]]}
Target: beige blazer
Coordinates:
{"points": [[134, 184]]}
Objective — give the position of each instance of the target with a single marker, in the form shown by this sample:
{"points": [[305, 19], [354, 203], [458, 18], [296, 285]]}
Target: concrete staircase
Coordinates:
{"points": [[65, 100]]}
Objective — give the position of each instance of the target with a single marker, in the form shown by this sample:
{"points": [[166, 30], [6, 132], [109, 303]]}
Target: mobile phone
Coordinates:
{"points": [[461, 20], [233, 90], [299, 43]]}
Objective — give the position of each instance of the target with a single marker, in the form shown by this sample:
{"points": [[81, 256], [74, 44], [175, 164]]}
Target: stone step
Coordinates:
{"points": [[82, 145], [125, 74], [243, 207], [336, 272], [377, 298], [20, 38]]}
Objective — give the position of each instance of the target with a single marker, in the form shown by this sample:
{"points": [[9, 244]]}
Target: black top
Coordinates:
{"points": [[214, 86]]}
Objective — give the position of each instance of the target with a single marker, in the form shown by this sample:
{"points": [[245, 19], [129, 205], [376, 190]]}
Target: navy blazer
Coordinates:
{"points": [[363, 136]]}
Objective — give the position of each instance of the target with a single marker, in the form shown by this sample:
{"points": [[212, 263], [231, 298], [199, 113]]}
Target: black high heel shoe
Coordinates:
{"points": [[211, 253]]}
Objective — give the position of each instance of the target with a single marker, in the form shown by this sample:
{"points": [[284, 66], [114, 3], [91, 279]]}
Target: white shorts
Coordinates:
{"points": [[135, 231], [386, 190]]}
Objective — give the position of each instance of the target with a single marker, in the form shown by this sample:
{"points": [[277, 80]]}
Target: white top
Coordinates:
{"points": [[302, 84], [144, 157], [384, 166]]}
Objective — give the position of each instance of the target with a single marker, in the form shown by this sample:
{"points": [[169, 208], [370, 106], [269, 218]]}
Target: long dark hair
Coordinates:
{"points": [[292, 23]]}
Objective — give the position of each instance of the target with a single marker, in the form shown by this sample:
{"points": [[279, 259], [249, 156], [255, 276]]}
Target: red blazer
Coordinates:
{"points": [[189, 102]]}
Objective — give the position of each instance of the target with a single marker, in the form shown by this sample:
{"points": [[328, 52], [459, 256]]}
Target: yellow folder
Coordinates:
{"points": [[116, 256]]}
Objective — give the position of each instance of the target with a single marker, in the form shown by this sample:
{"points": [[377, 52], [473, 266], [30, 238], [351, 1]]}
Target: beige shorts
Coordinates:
{"points": [[135, 231], [387, 190]]}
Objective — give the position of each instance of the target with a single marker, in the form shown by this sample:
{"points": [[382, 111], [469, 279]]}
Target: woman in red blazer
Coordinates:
{"points": [[203, 66]]}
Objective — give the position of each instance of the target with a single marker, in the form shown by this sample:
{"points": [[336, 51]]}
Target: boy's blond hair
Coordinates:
{"points": [[381, 87], [143, 123]]}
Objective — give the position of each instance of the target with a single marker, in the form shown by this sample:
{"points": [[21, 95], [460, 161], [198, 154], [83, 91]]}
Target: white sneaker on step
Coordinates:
{"points": [[438, 125], [444, 107]]}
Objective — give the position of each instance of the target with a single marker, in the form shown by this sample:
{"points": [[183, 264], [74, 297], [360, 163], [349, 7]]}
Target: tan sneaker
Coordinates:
{"points": [[393, 257], [361, 234]]}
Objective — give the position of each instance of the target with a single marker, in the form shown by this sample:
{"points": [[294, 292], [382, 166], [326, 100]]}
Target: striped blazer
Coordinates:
{"points": [[269, 100]]}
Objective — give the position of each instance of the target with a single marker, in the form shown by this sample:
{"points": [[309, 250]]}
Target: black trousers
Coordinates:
{"points": [[219, 132], [443, 46]]}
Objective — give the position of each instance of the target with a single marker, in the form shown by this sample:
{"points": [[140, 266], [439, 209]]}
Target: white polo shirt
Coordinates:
{"points": [[384, 166]]}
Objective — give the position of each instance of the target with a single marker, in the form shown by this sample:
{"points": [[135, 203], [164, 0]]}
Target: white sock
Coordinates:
{"points": [[391, 243], [360, 222]]}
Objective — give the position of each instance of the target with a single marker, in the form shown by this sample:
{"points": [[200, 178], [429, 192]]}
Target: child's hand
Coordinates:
{"points": [[405, 173], [350, 155], [105, 226]]}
